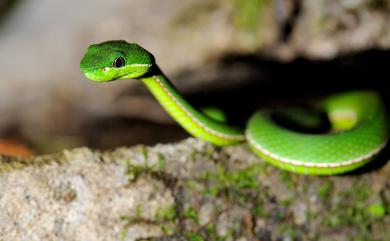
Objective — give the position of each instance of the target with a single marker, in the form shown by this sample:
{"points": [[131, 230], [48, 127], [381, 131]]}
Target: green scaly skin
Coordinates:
{"points": [[359, 122]]}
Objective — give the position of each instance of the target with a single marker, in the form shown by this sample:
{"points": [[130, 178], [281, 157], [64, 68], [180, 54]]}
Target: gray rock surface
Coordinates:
{"points": [[185, 191]]}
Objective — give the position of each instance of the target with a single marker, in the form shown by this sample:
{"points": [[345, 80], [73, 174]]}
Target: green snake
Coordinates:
{"points": [[359, 128]]}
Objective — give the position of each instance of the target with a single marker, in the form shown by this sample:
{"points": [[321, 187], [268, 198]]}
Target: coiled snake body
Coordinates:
{"points": [[358, 118]]}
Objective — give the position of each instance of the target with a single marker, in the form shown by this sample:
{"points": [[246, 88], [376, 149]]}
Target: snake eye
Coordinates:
{"points": [[118, 62]]}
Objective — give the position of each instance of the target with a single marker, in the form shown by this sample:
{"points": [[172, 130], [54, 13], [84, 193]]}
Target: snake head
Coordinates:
{"points": [[113, 60]]}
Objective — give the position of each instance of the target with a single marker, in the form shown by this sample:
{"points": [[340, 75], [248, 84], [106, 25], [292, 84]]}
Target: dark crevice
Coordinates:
{"points": [[267, 83], [287, 13]]}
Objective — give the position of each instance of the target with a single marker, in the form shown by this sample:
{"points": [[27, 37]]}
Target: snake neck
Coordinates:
{"points": [[191, 119]]}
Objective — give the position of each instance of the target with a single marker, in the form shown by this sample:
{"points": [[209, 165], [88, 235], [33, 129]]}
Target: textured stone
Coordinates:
{"points": [[189, 190]]}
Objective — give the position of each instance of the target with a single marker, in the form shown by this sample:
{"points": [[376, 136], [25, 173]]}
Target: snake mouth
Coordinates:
{"points": [[106, 74], [100, 74]]}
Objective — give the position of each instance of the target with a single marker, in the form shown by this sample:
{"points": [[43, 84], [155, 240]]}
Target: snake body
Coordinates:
{"points": [[358, 118]]}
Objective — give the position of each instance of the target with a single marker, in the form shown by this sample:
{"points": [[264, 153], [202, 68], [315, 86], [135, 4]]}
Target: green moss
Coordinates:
{"points": [[359, 193], [377, 210], [210, 151], [168, 228], [123, 234], [8, 163], [194, 237], [213, 190], [211, 232], [125, 218], [247, 14], [166, 218], [134, 171], [161, 161], [230, 234], [245, 179], [163, 217], [138, 211], [352, 210], [258, 210], [346, 215], [355, 211], [333, 221], [362, 237], [145, 153], [168, 214], [190, 213], [287, 178], [287, 230], [286, 202], [235, 186], [193, 185], [325, 189], [279, 216]]}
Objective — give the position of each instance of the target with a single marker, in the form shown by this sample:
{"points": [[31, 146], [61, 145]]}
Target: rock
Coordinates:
{"points": [[206, 213], [230, 221], [185, 191]]}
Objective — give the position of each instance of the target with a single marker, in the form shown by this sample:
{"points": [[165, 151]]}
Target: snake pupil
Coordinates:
{"points": [[118, 62]]}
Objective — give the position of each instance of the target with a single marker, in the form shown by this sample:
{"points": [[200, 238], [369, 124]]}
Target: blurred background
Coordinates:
{"points": [[237, 54]]}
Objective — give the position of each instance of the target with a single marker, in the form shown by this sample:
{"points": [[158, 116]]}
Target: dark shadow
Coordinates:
{"points": [[378, 162], [106, 133], [6, 8], [268, 83]]}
